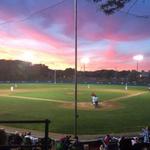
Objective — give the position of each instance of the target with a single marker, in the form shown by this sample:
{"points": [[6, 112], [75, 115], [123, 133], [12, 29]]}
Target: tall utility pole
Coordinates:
{"points": [[75, 93]]}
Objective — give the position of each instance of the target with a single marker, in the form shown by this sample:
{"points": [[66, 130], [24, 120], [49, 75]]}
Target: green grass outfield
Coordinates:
{"points": [[120, 110]]}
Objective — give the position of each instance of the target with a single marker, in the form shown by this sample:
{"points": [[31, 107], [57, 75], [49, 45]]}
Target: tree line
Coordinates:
{"points": [[21, 71]]}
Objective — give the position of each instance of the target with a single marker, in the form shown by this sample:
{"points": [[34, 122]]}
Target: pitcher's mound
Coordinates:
{"points": [[89, 106]]}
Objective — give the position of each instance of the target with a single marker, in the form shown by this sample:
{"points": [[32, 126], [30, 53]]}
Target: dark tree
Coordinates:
{"points": [[16, 70], [111, 6]]}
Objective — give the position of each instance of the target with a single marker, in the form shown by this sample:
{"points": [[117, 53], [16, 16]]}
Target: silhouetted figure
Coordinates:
{"points": [[125, 144], [3, 140], [77, 145]]}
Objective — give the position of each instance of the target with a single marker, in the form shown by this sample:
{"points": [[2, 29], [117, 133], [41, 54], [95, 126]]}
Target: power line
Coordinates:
{"points": [[32, 14], [132, 6], [135, 15], [128, 12], [44, 9]]}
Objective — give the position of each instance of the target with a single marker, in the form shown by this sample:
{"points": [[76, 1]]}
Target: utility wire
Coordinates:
{"points": [[135, 15], [42, 10], [33, 14], [128, 12], [132, 6]]}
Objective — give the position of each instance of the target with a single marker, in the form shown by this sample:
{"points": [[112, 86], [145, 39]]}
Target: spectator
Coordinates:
{"points": [[146, 135], [77, 145], [17, 139], [64, 143], [3, 139], [107, 140], [125, 144], [42, 143], [134, 140], [113, 144], [31, 138], [67, 142], [59, 145]]}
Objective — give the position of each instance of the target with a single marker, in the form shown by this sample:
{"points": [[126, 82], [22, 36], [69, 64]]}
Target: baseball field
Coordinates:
{"points": [[120, 110]]}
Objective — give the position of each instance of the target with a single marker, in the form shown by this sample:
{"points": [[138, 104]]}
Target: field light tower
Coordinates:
{"points": [[55, 73], [84, 61], [138, 58], [28, 56], [55, 79]]}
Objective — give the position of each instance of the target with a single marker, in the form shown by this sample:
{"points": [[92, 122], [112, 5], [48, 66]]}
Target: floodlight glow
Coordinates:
{"points": [[85, 60], [28, 56], [138, 57]]}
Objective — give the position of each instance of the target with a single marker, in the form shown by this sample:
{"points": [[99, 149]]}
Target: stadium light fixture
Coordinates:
{"points": [[138, 58], [28, 56]]}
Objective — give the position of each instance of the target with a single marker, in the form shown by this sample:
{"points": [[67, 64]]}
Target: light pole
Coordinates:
{"points": [[138, 58], [55, 79], [84, 61], [55, 73]]}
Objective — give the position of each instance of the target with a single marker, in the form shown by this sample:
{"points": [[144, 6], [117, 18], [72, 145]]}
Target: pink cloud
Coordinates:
{"points": [[94, 26], [111, 58], [28, 37], [91, 26]]}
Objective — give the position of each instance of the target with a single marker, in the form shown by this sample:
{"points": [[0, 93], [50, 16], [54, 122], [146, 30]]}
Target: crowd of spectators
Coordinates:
{"points": [[108, 142], [66, 143], [22, 141]]}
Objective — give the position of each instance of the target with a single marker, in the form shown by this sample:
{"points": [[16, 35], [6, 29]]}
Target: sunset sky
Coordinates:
{"points": [[42, 31]]}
